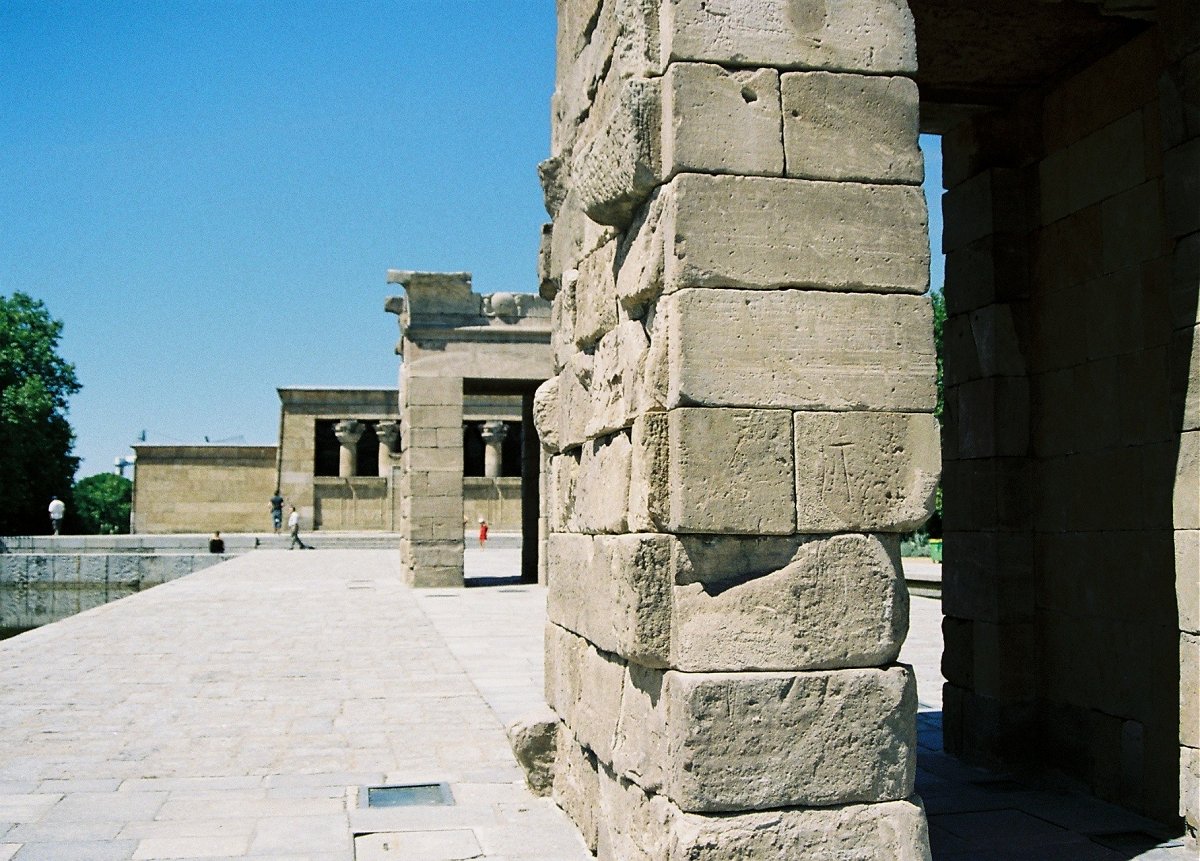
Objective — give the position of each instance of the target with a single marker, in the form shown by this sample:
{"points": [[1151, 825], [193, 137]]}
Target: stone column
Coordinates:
{"points": [[493, 434], [348, 432], [388, 433], [740, 427]]}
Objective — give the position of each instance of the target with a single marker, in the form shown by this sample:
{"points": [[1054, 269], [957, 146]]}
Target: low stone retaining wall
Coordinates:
{"points": [[39, 588]]}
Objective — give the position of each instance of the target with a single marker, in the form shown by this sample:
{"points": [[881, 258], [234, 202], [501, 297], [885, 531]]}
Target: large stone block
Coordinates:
{"points": [[1187, 479], [717, 120], [596, 296], [704, 604], [857, 35], [828, 351], [600, 502], [747, 741], [646, 826], [619, 392], [715, 471], [546, 414], [786, 603], [620, 162], [615, 591], [1187, 583], [851, 127], [1189, 789], [739, 741], [599, 45], [576, 786], [1189, 689], [865, 471], [766, 233]]}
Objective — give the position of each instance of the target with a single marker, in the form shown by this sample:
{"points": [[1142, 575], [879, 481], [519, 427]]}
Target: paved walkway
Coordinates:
{"points": [[234, 713]]}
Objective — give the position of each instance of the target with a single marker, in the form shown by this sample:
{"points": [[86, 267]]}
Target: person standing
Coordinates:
{"points": [[294, 526], [483, 531], [57, 509], [277, 510], [216, 544]]}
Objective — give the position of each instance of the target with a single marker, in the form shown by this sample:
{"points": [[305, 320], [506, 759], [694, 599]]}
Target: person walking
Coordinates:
{"points": [[294, 526], [277, 511], [57, 509]]}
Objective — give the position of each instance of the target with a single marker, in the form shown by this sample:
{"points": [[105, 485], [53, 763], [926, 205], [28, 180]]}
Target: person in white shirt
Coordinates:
{"points": [[294, 526], [57, 509]]}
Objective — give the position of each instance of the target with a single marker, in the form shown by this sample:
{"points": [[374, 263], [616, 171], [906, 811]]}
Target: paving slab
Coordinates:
{"points": [[236, 712]]}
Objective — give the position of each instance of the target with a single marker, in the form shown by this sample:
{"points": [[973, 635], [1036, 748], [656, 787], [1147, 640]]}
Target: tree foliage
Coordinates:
{"points": [[102, 503], [35, 437]]}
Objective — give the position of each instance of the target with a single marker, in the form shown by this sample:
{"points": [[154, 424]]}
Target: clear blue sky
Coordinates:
{"points": [[209, 193]]}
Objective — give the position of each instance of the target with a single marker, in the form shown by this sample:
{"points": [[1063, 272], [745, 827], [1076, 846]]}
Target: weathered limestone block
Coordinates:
{"points": [[599, 45], [1187, 583], [714, 471], [851, 127], [704, 604], [739, 741], [563, 473], [1189, 689], [640, 259], [601, 494], [576, 786], [615, 591], [575, 400], [1187, 479], [619, 392], [574, 236], [562, 320], [1189, 784], [765, 233], [720, 121], [746, 741], [787, 603], [546, 416], [618, 165], [829, 351], [585, 690], [640, 825], [865, 471], [856, 35], [596, 296], [534, 741]]}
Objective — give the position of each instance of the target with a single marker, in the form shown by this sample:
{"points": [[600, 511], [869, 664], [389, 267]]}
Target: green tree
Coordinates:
{"points": [[35, 437], [102, 503]]}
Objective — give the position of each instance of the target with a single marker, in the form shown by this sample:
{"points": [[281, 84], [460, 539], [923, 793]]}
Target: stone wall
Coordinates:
{"points": [[203, 488], [1071, 477], [39, 588], [738, 427]]}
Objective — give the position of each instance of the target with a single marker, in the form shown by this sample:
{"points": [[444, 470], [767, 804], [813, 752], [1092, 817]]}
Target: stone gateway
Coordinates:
{"points": [[739, 422]]}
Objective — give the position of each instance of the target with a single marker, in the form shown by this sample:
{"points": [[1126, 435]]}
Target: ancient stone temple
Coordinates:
{"points": [[740, 422], [457, 344]]}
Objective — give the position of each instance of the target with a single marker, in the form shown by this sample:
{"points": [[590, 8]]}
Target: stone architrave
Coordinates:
{"points": [[493, 434], [348, 432]]}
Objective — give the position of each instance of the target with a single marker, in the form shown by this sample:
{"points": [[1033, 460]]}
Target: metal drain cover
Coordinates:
{"points": [[411, 795]]}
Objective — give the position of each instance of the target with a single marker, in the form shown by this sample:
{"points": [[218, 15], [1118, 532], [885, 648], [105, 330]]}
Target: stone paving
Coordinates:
{"points": [[236, 712]]}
